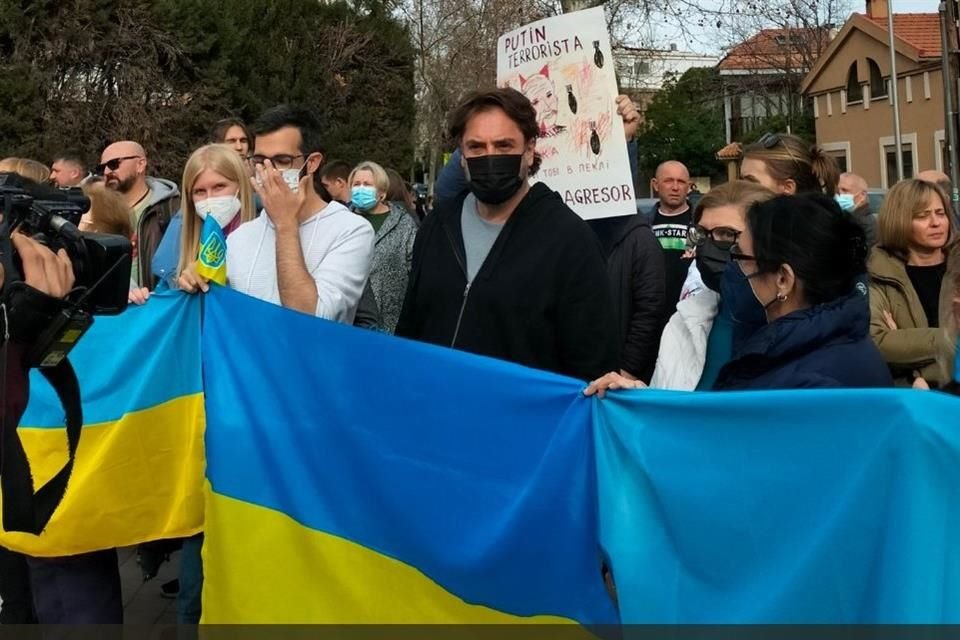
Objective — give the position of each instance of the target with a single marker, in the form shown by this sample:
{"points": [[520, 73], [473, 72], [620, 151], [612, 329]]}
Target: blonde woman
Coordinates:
{"points": [[910, 299], [786, 164], [108, 212], [36, 171], [395, 232], [214, 183]]}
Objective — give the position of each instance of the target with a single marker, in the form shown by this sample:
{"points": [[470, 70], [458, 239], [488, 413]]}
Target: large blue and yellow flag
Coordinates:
{"points": [[356, 477], [212, 257], [839, 507], [138, 474]]}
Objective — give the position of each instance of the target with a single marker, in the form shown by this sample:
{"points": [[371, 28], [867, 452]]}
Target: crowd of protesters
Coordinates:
{"points": [[783, 279]]}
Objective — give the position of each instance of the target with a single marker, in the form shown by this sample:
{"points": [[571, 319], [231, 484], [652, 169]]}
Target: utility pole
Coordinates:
{"points": [[893, 87], [950, 97]]}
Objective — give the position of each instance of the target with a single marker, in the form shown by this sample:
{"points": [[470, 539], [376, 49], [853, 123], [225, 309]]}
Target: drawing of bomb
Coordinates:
{"points": [[541, 92]]}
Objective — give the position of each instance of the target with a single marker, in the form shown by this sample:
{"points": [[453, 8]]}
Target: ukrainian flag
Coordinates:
{"points": [[138, 474], [356, 477], [781, 507], [212, 257]]}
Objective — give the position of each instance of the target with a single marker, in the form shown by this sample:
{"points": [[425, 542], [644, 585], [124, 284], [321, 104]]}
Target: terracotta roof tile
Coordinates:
{"points": [[922, 30], [774, 49], [732, 151]]}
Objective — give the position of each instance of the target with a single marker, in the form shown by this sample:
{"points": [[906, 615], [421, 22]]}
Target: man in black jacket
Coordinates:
{"points": [[508, 270], [635, 268]]}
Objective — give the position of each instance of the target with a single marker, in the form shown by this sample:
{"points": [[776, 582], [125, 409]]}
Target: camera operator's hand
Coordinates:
{"points": [[191, 281], [48, 272]]}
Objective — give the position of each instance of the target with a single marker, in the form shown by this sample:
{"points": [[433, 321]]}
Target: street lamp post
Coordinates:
{"points": [[893, 87]]}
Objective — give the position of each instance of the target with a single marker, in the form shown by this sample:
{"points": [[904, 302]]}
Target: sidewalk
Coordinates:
{"points": [[142, 602]]}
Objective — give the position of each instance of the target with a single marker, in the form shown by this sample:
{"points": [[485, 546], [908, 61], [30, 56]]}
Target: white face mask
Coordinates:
{"points": [[223, 209], [292, 178]]}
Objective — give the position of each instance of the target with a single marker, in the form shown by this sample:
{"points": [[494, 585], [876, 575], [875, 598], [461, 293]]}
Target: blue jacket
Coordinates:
{"points": [[821, 347], [167, 255]]}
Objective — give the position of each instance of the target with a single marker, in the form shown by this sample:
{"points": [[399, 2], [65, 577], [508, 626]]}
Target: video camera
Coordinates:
{"points": [[101, 262]]}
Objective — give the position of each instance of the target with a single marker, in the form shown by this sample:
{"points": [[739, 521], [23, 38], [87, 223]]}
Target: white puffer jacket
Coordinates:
{"points": [[683, 346]]}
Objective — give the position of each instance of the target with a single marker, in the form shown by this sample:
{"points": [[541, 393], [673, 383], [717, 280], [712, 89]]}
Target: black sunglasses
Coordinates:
{"points": [[113, 165], [773, 140]]}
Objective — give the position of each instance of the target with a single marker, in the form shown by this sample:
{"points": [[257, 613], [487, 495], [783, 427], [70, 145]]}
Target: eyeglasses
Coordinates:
{"points": [[738, 257], [723, 237], [113, 165], [281, 162], [772, 140]]}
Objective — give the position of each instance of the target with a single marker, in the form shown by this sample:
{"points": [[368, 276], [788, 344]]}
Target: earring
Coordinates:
{"points": [[782, 297]]}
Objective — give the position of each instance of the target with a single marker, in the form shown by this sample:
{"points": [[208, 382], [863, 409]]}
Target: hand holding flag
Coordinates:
{"points": [[212, 257]]}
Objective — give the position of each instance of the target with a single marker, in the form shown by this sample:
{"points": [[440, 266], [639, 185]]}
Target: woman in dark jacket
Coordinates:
{"points": [[800, 258], [796, 264]]}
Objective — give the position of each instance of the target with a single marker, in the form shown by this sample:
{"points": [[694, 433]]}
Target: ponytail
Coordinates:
{"points": [[826, 170]]}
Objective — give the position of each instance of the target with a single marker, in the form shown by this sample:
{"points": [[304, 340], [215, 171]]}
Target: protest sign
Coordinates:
{"points": [[565, 66]]}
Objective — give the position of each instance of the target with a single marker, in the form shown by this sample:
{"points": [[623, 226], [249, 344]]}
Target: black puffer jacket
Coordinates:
{"points": [[638, 281]]}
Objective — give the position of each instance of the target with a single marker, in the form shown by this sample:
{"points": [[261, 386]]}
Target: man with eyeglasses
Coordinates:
{"points": [[309, 252], [152, 202]]}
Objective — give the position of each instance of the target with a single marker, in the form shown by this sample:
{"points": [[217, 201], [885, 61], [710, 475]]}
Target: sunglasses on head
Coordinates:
{"points": [[113, 165], [773, 140]]}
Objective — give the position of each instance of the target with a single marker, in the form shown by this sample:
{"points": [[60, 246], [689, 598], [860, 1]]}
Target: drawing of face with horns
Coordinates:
{"points": [[541, 92]]}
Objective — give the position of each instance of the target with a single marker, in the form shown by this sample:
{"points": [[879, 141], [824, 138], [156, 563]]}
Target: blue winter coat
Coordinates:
{"points": [[167, 256], [824, 346]]}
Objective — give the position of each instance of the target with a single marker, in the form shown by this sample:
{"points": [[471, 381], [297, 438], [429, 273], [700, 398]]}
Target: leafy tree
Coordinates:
{"points": [[685, 122], [77, 74]]}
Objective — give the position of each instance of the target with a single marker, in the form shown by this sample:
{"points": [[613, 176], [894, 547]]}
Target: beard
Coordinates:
{"points": [[123, 186]]}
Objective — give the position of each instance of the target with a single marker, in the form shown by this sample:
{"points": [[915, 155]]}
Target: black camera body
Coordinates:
{"points": [[101, 262]]}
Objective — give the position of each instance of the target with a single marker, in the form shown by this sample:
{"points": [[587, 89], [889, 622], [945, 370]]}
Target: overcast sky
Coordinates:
{"points": [[705, 40]]}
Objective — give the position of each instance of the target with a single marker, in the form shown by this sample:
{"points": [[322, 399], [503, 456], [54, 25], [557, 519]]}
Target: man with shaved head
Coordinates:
{"points": [[152, 202], [670, 219], [852, 198]]}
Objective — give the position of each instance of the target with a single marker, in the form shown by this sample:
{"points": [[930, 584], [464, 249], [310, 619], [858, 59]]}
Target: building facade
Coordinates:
{"points": [[761, 77], [643, 72], [853, 101]]}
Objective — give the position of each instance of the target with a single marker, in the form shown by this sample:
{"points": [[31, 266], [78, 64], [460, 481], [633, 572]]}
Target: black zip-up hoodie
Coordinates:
{"points": [[540, 299]]}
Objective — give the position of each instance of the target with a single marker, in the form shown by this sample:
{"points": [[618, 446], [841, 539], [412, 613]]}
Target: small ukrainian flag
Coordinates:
{"points": [[212, 258]]}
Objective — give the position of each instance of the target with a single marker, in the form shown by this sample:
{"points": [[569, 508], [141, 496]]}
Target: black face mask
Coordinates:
{"points": [[495, 179], [711, 263]]}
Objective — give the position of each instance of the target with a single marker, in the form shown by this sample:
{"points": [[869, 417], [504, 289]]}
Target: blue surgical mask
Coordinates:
{"points": [[364, 198], [845, 200], [738, 296]]}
